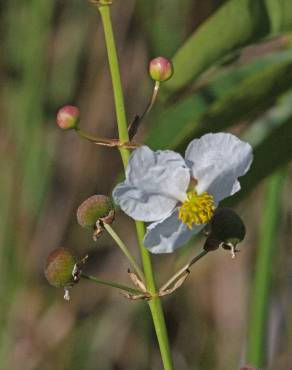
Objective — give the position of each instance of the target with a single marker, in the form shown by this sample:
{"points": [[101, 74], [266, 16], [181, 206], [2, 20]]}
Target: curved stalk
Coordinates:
{"points": [[132, 130], [185, 268]]}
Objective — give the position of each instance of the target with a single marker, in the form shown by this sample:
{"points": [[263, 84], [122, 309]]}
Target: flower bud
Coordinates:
{"points": [[95, 208], [160, 69], [68, 117], [59, 268], [248, 367], [226, 228], [227, 225]]}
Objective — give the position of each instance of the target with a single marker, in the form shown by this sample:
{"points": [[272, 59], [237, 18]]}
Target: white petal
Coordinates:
{"points": [[216, 162], [155, 182], [167, 235]]}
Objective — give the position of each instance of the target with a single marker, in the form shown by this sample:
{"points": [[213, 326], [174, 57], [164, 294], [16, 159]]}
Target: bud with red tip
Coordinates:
{"points": [[160, 69], [249, 367], [60, 268], [95, 208], [68, 117]]}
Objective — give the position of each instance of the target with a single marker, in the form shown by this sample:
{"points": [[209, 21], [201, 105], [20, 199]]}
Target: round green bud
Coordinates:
{"points": [[226, 229], [227, 226], [160, 69], [211, 243], [59, 268], [95, 208], [68, 117]]}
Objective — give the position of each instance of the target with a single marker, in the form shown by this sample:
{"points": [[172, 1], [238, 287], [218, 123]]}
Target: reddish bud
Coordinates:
{"points": [[248, 367], [160, 69], [95, 208], [68, 117], [60, 267]]}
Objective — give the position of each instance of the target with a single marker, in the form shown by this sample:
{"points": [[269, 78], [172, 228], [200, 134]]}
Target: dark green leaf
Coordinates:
{"points": [[236, 23], [274, 152], [240, 94]]}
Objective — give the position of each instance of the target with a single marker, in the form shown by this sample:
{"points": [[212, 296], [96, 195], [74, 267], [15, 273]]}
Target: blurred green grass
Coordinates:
{"points": [[53, 53]]}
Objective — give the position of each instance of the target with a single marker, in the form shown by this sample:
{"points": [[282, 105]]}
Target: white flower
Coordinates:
{"points": [[180, 195]]}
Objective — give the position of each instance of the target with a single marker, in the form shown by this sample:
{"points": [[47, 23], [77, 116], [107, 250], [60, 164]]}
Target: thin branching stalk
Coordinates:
{"points": [[138, 120], [183, 270], [111, 284], [125, 250]]}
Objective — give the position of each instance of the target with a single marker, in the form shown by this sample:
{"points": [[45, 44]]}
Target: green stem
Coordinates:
{"points": [[111, 284], [124, 249], [138, 119], [152, 100], [116, 80], [262, 282], [155, 303]]}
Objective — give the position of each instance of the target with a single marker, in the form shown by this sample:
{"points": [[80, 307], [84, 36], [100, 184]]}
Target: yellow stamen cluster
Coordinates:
{"points": [[196, 209]]}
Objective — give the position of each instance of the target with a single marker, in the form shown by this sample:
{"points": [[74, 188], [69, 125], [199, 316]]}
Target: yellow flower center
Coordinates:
{"points": [[196, 209]]}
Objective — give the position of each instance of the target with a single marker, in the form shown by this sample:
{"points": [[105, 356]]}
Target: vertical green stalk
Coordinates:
{"points": [[116, 80], [265, 260], [155, 303]]}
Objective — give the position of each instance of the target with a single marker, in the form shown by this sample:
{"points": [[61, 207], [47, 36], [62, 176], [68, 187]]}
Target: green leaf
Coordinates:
{"points": [[164, 29], [235, 24], [280, 14], [271, 136], [243, 93], [267, 250], [272, 153]]}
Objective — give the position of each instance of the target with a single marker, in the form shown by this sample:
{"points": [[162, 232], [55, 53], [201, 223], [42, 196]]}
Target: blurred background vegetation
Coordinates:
{"points": [[233, 72]]}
